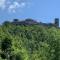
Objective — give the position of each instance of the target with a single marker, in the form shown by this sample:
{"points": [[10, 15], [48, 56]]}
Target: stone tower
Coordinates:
{"points": [[57, 22]]}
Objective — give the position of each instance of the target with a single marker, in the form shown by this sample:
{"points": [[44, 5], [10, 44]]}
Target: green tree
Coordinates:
{"points": [[6, 48]]}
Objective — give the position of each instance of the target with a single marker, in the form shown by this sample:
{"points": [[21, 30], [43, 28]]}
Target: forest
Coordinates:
{"points": [[29, 42]]}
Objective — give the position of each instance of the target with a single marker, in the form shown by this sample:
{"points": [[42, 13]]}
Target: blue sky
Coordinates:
{"points": [[40, 10]]}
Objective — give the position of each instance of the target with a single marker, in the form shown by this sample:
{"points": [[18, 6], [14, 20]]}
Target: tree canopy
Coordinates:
{"points": [[35, 42]]}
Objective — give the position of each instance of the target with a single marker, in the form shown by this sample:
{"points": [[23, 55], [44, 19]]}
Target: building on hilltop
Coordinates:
{"points": [[24, 22], [55, 24], [33, 22]]}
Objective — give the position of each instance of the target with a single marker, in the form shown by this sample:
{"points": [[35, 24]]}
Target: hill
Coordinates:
{"points": [[29, 42]]}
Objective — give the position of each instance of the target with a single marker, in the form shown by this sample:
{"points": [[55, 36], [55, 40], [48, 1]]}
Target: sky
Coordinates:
{"points": [[39, 10]]}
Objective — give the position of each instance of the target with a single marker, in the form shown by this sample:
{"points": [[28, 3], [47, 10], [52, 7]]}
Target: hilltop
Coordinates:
{"points": [[29, 41], [33, 22]]}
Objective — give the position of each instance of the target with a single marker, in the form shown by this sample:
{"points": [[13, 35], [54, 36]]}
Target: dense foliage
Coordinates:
{"points": [[34, 42]]}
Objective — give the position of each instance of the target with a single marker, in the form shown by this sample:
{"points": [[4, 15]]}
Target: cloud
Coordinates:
{"points": [[2, 4], [12, 6], [15, 6]]}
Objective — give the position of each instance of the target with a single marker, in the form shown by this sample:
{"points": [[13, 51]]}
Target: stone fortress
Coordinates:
{"points": [[32, 22]]}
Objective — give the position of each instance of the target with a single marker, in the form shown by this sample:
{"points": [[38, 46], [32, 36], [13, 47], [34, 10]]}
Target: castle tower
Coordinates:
{"points": [[16, 20], [57, 22]]}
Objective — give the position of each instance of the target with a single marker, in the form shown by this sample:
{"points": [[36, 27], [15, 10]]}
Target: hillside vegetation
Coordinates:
{"points": [[30, 42]]}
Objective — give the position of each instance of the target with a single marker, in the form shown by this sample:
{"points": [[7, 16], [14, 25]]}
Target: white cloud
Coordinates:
{"points": [[12, 6], [2, 4], [23, 4], [16, 5]]}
